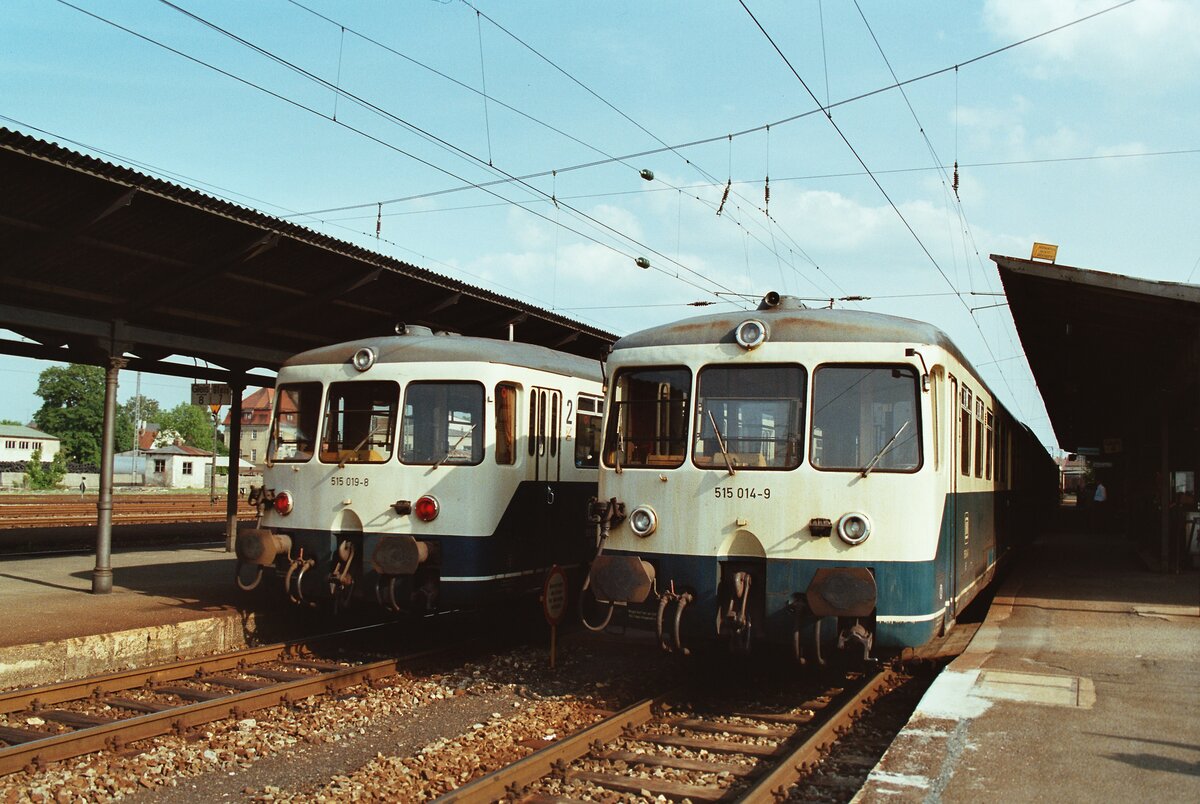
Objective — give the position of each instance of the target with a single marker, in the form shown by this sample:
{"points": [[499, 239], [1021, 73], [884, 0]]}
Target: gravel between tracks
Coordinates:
{"points": [[416, 736], [410, 739]]}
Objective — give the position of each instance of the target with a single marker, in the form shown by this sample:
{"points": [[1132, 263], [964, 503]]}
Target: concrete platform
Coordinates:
{"points": [[1083, 684], [166, 603]]}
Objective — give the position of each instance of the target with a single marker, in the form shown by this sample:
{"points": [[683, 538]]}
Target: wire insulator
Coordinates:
{"points": [[767, 195], [724, 196], [378, 220], [955, 184]]}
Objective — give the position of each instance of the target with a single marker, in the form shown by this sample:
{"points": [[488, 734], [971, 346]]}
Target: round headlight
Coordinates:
{"points": [[283, 503], [854, 528], [643, 521], [751, 333], [364, 358], [427, 508]]}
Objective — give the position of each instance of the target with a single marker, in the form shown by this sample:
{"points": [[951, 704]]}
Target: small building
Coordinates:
{"points": [[177, 466], [17, 443]]}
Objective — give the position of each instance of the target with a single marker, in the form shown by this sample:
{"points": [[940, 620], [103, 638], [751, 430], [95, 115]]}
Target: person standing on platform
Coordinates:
{"points": [[82, 486], [1098, 507]]}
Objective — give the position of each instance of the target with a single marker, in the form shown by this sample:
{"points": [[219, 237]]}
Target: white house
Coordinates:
{"points": [[17, 443], [177, 466]]}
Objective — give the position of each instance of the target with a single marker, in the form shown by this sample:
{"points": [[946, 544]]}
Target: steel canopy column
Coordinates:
{"points": [[235, 454], [102, 574]]}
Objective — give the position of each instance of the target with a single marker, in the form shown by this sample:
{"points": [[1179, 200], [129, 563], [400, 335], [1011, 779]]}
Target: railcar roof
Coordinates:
{"points": [[431, 348], [787, 322]]}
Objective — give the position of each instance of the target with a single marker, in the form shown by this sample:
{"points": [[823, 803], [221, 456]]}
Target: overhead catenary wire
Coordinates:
{"points": [[874, 179], [945, 178], [390, 145], [609, 159], [625, 158], [451, 148]]}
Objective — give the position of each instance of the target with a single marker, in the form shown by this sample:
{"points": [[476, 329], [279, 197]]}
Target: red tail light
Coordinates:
{"points": [[426, 508], [283, 503]]}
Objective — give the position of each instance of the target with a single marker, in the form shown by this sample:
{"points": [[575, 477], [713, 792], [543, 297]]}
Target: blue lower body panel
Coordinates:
{"points": [[907, 611], [459, 571]]}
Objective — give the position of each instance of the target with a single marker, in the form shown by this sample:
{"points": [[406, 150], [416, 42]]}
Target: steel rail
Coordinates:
{"points": [[114, 734], [37, 754], [787, 764], [498, 784], [802, 760]]}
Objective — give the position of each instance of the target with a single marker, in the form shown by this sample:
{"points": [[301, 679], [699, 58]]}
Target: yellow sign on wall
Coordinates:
{"points": [[1044, 251]]}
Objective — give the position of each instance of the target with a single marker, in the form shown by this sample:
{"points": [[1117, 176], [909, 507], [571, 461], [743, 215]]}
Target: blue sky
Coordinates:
{"points": [[1085, 137]]}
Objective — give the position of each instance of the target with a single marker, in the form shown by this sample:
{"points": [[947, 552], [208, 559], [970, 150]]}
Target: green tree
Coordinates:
{"points": [[193, 423], [45, 476], [10, 421], [127, 416], [73, 409]]}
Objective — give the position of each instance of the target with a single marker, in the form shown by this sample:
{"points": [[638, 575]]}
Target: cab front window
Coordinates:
{"points": [[297, 415], [865, 419], [648, 418], [360, 422], [753, 415]]}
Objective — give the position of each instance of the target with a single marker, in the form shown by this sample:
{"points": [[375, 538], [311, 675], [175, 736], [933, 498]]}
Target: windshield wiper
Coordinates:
{"points": [[452, 448], [867, 469], [721, 443], [370, 434]]}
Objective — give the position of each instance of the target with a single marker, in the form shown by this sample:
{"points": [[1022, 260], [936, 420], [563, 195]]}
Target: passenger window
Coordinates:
{"points": [[443, 423], [587, 431], [360, 422], [979, 437], [554, 398], [964, 431], [756, 413], [991, 445], [506, 424], [866, 417], [533, 421], [648, 422], [935, 394]]}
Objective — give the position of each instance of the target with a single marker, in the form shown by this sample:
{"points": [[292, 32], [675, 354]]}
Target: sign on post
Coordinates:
{"points": [[554, 604], [1044, 251], [210, 394]]}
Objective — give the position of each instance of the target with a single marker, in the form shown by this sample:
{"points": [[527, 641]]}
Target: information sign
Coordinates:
{"points": [[554, 595], [211, 394], [1044, 251]]}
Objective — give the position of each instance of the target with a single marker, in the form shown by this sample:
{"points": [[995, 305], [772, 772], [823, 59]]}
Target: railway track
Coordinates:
{"points": [[650, 749], [46, 724], [63, 511]]}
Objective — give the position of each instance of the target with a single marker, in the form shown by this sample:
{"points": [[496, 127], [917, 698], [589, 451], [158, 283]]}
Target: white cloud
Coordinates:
{"points": [[1151, 43]]}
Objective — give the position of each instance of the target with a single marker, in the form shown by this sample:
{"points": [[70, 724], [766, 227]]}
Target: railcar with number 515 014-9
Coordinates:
{"points": [[812, 478]]}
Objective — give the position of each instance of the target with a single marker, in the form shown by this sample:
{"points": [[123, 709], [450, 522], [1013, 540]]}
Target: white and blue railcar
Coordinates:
{"points": [[801, 476], [427, 472]]}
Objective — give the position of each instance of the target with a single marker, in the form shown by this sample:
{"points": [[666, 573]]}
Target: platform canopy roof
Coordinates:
{"points": [[1105, 348], [98, 260]]}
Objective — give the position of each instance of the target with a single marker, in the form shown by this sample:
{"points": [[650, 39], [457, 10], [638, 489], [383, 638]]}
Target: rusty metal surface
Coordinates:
{"points": [[40, 511], [35, 748], [494, 786], [772, 786], [779, 765]]}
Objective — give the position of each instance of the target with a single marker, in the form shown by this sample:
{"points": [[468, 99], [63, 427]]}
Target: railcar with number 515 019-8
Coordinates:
{"points": [[425, 472]]}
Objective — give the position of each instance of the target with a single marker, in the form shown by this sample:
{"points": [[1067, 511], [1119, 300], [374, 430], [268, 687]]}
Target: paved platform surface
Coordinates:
{"points": [[50, 597], [1083, 684], [166, 603]]}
